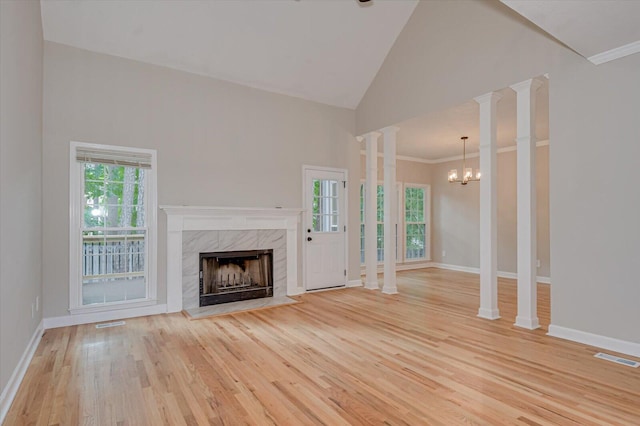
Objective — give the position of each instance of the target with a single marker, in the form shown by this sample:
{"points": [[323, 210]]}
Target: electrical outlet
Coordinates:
{"points": [[37, 303], [538, 263], [444, 253]]}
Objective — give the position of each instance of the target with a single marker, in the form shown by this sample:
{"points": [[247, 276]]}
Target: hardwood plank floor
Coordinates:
{"points": [[342, 357]]}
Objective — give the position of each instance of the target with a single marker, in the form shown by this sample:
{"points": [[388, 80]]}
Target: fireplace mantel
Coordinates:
{"points": [[205, 218]]}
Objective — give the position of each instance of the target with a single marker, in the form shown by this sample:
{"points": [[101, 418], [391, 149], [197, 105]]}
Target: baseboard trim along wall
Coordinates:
{"points": [[354, 283], [469, 269], [67, 320], [472, 270], [603, 342], [400, 267], [10, 390]]}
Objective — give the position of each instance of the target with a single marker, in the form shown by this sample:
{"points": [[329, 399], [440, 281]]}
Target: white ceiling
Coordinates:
{"points": [[326, 51], [323, 50], [599, 30], [437, 136]]}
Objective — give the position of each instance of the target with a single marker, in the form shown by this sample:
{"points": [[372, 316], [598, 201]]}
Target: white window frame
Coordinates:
{"points": [[76, 214], [399, 241], [427, 214]]}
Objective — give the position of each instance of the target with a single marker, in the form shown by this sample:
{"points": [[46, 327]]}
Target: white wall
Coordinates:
{"points": [[219, 144], [453, 51], [20, 179]]}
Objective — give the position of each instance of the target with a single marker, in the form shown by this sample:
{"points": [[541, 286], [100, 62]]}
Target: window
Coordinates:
{"points": [[415, 229], [415, 222], [113, 250], [379, 220]]}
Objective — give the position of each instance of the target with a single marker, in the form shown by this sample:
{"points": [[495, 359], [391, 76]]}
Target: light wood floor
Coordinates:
{"points": [[349, 356]]}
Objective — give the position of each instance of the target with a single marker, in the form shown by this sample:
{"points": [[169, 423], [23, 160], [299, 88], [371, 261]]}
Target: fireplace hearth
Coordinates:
{"points": [[231, 276]]}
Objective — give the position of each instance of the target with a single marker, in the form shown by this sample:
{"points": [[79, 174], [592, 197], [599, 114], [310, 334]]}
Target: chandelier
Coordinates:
{"points": [[467, 172]]}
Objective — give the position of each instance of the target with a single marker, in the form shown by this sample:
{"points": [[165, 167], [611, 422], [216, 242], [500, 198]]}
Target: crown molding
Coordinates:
{"points": [[617, 53], [455, 157]]}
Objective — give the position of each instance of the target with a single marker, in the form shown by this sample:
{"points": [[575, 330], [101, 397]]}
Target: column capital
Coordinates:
{"points": [[488, 97], [369, 136], [532, 84], [390, 129]]}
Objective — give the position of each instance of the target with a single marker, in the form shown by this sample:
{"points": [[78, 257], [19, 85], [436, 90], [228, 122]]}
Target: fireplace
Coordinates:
{"points": [[231, 276]]}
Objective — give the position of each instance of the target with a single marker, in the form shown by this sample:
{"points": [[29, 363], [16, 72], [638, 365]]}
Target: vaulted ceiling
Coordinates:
{"points": [[327, 51], [599, 30]]}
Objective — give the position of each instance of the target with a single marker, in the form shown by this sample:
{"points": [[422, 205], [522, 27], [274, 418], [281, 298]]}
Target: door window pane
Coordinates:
{"points": [[325, 215]]}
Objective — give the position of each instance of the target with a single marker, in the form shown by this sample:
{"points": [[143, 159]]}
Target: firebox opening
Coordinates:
{"points": [[235, 275]]}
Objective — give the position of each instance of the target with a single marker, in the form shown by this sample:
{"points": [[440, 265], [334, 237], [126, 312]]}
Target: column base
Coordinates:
{"points": [[371, 285], [389, 290], [528, 323], [490, 314]]}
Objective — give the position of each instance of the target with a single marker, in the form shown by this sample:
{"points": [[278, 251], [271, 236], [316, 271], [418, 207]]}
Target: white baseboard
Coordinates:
{"points": [[354, 283], [67, 320], [10, 390], [401, 267], [298, 291], [603, 342], [472, 270], [411, 266], [458, 268]]}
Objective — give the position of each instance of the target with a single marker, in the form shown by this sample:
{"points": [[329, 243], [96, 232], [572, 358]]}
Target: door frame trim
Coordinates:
{"points": [[304, 225]]}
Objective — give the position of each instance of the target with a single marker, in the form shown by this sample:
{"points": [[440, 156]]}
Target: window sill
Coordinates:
{"points": [[113, 306]]}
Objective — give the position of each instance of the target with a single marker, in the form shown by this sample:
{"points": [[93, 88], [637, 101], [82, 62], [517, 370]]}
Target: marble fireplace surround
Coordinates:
{"points": [[189, 228]]}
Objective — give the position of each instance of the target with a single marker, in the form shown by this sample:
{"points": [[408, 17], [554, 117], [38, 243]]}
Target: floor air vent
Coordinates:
{"points": [[617, 360], [110, 324]]}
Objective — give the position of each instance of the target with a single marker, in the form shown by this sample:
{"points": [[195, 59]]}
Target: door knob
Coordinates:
{"points": [[309, 238]]}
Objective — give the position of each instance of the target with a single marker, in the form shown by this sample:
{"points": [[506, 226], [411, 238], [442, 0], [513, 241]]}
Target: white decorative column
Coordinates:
{"points": [[527, 316], [370, 206], [390, 210], [488, 207]]}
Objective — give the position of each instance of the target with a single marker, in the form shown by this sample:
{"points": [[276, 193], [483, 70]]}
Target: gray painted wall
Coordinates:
{"points": [[450, 52], [595, 233], [20, 179], [453, 51], [456, 215], [455, 210], [219, 144]]}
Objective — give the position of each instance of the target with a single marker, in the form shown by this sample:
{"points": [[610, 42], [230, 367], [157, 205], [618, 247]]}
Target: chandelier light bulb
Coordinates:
{"points": [[467, 172]]}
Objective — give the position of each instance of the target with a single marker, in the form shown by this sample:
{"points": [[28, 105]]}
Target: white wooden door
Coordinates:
{"points": [[325, 228]]}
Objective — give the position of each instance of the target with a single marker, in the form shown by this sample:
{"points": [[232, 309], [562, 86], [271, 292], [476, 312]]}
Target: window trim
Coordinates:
{"points": [[401, 225], [399, 222], [427, 222], [76, 209]]}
